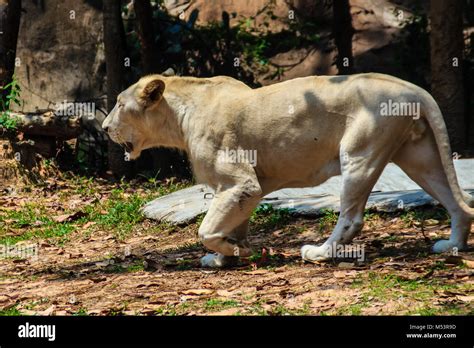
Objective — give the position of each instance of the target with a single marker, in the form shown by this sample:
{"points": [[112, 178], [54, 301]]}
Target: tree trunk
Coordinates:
{"points": [[10, 14], [446, 40], [343, 31], [146, 35], [163, 160], [114, 43]]}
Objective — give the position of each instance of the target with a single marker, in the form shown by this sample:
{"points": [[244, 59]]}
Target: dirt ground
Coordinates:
{"points": [[97, 255]]}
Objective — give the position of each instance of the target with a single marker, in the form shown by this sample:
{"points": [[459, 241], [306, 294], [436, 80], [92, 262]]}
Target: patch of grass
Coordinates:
{"points": [[439, 265], [168, 310], [418, 216], [267, 217], [388, 287], [370, 214], [85, 186], [9, 96], [353, 309], [297, 229], [48, 232], [199, 219], [116, 312], [384, 287], [279, 310], [257, 309], [58, 231], [27, 216], [81, 312], [122, 209], [33, 304], [371, 217], [392, 238], [115, 268], [36, 222], [257, 256], [10, 312], [135, 267], [425, 311], [449, 309], [328, 219], [219, 304], [122, 212]]}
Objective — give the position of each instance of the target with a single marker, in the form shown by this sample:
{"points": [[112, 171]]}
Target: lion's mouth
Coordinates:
{"points": [[128, 146]]}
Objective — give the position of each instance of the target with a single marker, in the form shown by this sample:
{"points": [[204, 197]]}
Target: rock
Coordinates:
{"points": [[61, 54]]}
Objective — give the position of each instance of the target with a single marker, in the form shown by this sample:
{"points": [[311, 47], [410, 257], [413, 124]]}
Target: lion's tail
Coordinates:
{"points": [[435, 119]]}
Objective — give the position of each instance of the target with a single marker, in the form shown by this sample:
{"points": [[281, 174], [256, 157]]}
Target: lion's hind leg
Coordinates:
{"points": [[421, 161], [361, 166]]}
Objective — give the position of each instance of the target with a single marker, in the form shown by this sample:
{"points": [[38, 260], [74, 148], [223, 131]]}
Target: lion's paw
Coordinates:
{"points": [[212, 260], [316, 253], [443, 246], [218, 260]]}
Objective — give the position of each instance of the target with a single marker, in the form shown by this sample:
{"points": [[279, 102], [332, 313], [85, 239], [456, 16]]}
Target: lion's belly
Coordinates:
{"points": [[292, 177], [297, 164]]}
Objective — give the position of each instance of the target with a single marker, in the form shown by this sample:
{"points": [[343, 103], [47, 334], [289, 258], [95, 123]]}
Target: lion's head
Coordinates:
{"points": [[135, 117]]}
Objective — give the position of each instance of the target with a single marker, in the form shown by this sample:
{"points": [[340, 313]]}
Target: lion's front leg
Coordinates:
{"points": [[224, 229], [218, 260]]}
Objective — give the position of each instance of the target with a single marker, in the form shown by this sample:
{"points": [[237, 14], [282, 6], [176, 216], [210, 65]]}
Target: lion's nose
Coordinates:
{"points": [[105, 124]]}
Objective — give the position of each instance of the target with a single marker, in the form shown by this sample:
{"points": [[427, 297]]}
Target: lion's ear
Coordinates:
{"points": [[152, 92]]}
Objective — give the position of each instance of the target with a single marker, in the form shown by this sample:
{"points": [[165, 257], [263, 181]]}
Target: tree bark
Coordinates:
{"points": [[162, 159], [10, 14], [146, 35], [115, 54], [343, 32], [446, 40]]}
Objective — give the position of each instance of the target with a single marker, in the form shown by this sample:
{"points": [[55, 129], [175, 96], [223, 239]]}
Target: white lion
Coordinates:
{"points": [[304, 131]]}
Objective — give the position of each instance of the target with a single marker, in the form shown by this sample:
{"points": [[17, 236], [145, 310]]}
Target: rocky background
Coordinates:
{"points": [[61, 50]]}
